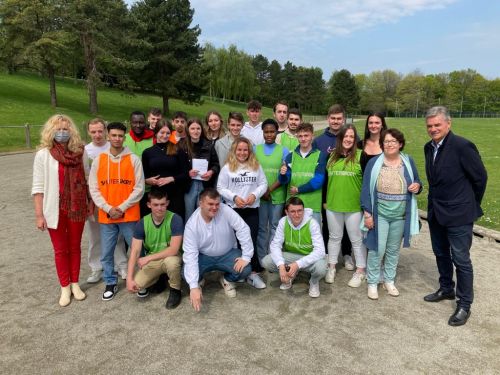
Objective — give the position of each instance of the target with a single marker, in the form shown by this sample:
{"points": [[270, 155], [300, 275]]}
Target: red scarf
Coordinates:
{"points": [[73, 198], [148, 133]]}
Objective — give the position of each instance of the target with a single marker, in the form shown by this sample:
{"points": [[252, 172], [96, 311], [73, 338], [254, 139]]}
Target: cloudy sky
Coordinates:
{"points": [[433, 36]]}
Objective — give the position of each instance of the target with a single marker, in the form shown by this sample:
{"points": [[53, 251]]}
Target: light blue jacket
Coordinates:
{"points": [[369, 202]]}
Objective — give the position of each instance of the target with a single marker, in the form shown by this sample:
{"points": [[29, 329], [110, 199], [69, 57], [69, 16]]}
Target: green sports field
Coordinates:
{"points": [[24, 99]]}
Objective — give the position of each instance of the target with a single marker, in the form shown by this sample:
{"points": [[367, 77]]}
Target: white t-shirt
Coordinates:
{"points": [[93, 151]]}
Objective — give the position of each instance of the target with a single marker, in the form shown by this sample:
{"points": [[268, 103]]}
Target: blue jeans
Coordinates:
{"points": [[109, 237], [224, 263], [269, 216], [451, 246], [390, 234], [191, 198], [317, 270]]}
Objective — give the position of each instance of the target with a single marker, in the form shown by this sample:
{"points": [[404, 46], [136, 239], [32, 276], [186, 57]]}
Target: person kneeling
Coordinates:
{"points": [[297, 245], [160, 234]]}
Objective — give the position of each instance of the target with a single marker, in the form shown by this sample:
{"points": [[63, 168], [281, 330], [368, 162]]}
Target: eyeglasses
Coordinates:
{"points": [[391, 142]]}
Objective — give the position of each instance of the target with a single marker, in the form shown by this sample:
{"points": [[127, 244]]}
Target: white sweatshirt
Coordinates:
{"points": [[253, 133], [241, 183], [215, 238], [276, 246]]}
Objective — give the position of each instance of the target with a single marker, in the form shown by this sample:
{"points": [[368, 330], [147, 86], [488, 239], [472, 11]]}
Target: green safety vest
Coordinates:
{"points": [[344, 185], [137, 147], [302, 171], [157, 239], [298, 241], [289, 141], [271, 165]]}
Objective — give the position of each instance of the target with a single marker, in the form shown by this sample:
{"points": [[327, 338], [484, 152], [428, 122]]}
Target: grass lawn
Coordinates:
{"points": [[25, 99], [485, 133]]}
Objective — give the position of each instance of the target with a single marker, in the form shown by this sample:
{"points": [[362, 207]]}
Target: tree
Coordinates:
{"points": [[410, 93], [173, 55], [36, 28], [344, 90], [103, 31]]}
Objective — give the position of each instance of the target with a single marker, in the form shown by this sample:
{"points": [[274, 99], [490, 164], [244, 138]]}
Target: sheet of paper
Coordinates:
{"points": [[201, 165]]}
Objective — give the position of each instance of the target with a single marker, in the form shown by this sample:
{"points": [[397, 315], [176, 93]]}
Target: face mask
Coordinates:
{"points": [[62, 136]]}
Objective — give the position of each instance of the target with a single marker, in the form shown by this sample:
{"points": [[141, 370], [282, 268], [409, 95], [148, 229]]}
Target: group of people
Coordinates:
{"points": [[186, 197]]}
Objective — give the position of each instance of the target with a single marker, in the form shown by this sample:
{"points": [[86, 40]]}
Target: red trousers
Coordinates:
{"points": [[66, 240]]}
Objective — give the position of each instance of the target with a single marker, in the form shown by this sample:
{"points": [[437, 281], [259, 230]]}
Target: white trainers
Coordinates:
{"points": [[348, 263], [286, 286], [314, 289], [123, 273], [391, 289], [94, 277], [256, 281], [372, 291], [356, 280], [330, 275], [228, 286]]}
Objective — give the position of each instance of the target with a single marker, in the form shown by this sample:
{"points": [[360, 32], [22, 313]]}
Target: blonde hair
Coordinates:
{"points": [[233, 163], [75, 143]]}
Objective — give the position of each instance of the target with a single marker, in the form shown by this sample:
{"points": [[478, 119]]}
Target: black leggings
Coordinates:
{"points": [[251, 217]]}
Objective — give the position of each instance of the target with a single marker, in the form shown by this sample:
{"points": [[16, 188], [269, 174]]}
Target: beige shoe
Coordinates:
{"points": [[77, 292], [65, 296], [372, 291], [330, 275], [391, 289]]}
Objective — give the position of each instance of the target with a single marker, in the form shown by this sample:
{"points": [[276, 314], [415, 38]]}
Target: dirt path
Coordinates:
{"points": [[263, 332]]}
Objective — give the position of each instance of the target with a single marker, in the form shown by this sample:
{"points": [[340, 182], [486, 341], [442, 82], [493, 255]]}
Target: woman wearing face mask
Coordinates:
{"points": [[166, 167], [198, 147], [214, 128], [241, 183], [61, 199]]}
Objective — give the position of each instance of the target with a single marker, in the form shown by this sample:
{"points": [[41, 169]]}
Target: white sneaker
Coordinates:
{"points": [[314, 289], [391, 289], [286, 286], [348, 263], [330, 275], [255, 280], [372, 291], [356, 280], [123, 273], [228, 286], [94, 277]]}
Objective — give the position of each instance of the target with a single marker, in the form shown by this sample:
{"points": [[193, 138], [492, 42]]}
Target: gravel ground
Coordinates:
{"points": [[259, 331]]}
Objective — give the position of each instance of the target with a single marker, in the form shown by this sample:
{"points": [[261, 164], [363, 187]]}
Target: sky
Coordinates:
{"points": [[433, 36]]}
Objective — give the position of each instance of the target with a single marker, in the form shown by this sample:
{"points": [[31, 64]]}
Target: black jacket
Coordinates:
{"points": [[457, 181]]}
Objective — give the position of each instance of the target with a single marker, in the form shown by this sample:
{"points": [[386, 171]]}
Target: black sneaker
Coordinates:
{"points": [[174, 299], [109, 292], [142, 293]]}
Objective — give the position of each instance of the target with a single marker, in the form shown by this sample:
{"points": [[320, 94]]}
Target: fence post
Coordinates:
{"points": [[27, 135]]}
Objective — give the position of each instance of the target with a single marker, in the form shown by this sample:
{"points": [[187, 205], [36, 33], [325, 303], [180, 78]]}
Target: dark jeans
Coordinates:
{"points": [[346, 242], [251, 217], [451, 246]]}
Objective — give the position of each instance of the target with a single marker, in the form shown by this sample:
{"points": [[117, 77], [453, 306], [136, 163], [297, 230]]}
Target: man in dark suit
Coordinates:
{"points": [[457, 181]]}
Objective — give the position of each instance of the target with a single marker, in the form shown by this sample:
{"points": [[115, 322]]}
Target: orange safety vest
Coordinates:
{"points": [[117, 188]]}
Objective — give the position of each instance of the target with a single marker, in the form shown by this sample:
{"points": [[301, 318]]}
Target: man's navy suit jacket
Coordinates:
{"points": [[457, 181]]}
